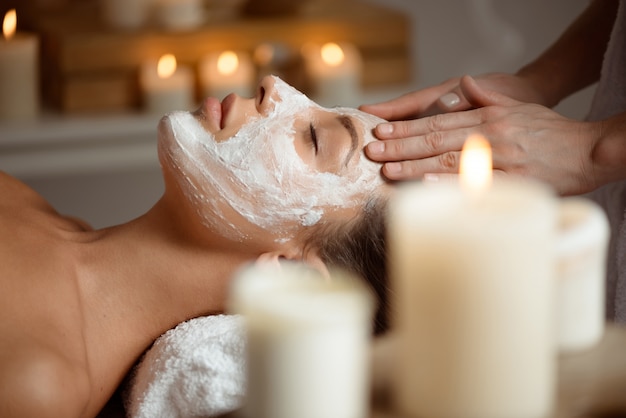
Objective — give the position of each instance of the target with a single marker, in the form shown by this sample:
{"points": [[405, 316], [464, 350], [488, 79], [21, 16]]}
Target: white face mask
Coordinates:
{"points": [[258, 172]]}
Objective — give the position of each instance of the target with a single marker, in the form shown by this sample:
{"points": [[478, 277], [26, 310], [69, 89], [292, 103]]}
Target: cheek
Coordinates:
{"points": [[304, 153]]}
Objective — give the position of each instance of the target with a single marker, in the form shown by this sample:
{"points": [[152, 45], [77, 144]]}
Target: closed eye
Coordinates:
{"points": [[313, 137]]}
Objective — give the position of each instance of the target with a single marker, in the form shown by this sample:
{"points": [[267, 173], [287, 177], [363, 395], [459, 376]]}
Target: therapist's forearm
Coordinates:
{"points": [[609, 152], [574, 61]]}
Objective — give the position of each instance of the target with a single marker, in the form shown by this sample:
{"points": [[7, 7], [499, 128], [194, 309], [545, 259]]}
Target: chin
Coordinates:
{"points": [[165, 139]]}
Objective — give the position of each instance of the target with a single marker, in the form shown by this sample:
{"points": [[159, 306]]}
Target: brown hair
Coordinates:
{"points": [[359, 246]]}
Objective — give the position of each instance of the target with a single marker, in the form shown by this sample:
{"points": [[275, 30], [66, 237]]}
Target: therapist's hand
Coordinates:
{"points": [[449, 97], [527, 139]]}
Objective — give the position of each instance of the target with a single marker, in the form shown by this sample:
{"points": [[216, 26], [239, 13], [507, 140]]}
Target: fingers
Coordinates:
{"points": [[425, 126], [404, 107], [446, 163], [441, 177], [452, 177], [417, 103], [479, 97], [417, 147], [452, 101]]}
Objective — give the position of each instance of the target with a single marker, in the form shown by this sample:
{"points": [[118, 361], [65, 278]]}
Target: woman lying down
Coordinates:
{"points": [[271, 177]]}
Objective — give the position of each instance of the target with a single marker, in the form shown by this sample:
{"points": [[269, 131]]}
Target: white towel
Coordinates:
{"points": [[194, 370]]}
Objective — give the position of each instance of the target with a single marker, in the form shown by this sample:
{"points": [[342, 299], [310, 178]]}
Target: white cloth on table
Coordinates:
{"points": [[194, 370]]}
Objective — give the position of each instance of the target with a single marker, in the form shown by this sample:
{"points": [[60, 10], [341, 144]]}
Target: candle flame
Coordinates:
{"points": [[476, 163], [264, 54], [166, 66], [227, 63], [9, 24], [332, 54]]}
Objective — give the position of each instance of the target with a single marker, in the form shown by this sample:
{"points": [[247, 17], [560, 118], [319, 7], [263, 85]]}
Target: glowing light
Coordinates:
{"points": [[166, 66], [332, 54], [9, 24], [476, 166], [264, 54], [227, 63]]}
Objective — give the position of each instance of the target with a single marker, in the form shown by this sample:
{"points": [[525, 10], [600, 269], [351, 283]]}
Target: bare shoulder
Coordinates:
{"points": [[11, 188], [19, 202], [43, 365], [38, 381]]}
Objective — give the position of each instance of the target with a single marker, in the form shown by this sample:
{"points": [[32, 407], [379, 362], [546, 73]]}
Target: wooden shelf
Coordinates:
{"points": [[88, 67]]}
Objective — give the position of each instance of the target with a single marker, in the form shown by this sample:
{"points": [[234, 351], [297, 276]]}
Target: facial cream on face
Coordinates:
{"points": [[258, 173]]}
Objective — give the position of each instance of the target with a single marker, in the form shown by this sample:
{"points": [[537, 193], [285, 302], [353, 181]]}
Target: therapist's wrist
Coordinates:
{"points": [[542, 84]]}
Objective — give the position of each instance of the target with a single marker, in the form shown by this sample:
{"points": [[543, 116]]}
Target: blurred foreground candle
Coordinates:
{"points": [[581, 253], [166, 86], [473, 271], [334, 71], [227, 72], [179, 14], [19, 98], [308, 343]]}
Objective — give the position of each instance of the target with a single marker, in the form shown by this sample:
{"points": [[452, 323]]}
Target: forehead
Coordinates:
{"points": [[291, 102], [366, 121]]}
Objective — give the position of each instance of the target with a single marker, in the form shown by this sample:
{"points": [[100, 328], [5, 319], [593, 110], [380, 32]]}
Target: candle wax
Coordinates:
{"points": [[19, 77]]}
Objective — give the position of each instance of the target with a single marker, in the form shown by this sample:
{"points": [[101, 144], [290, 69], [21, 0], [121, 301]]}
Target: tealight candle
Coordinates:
{"points": [[334, 72], [473, 272], [166, 86], [581, 253], [179, 14], [19, 72], [227, 72], [308, 342]]}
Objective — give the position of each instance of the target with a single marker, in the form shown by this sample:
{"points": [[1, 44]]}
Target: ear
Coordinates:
{"points": [[310, 258]]}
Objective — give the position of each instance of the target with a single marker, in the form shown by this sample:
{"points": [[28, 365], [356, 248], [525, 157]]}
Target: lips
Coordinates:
{"points": [[211, 110]]}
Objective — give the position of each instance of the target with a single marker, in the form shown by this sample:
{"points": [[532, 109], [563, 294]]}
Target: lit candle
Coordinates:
{"points": [[227, 72], [125, 14], [473, 271], [334, 72], [271, 58], [581, 252], [19, 75], [179, 14], [166, 86], [308, 343]]}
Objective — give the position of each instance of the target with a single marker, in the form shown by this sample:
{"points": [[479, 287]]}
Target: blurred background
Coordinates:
{"points": [[86, 139]]}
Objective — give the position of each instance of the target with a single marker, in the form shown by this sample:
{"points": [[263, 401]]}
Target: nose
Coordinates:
{"points": [[264, 92]]}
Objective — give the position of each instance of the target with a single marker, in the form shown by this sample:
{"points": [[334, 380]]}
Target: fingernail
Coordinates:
{"points": [[393, 167], [376, 147], [384, 128], [450, 100], [431, 177]]}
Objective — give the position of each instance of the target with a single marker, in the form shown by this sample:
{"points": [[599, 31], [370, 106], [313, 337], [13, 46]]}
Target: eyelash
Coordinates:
{"points": [[312, 136]]}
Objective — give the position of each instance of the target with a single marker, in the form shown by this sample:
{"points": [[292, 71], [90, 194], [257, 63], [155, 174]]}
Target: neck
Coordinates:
{"points": [[144, 277]]}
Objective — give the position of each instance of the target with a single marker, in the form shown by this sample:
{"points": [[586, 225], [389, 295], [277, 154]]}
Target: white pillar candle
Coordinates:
{"points": [[125, 14], [179, 14], [222, 73], [581, 252], [334, 72], [308, 343], [19, 72], [474, 279], [166, 86]]}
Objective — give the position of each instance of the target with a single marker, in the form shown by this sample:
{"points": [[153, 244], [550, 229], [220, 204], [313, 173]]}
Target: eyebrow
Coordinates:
{"points": [[346, 122]]}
